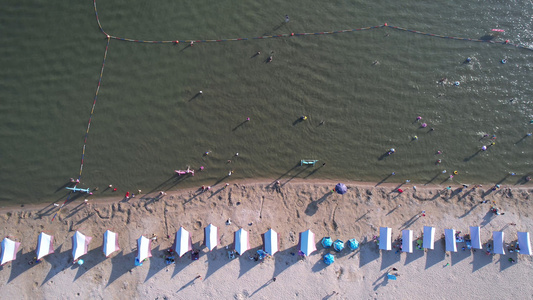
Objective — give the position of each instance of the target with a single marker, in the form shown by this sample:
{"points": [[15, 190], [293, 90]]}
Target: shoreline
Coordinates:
{"points": [[110, 196]]}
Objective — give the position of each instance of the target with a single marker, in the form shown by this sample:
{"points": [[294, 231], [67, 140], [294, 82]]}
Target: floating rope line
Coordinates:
{"points": [[88, 127]]}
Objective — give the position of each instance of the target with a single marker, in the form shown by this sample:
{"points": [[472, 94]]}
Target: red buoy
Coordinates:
{"points": [[292, 33]]}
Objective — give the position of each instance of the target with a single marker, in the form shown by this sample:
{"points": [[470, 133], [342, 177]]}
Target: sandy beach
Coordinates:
{"points": [[289, 209]]}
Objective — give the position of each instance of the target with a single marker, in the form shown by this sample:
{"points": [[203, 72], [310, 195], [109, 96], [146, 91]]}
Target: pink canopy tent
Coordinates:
{"points": [[80, 245], [241, 242], [9, 251], [270, 241], [110, 243], [211, 236], [144, 248], [183, 242], [45, 245], [306, 244]]}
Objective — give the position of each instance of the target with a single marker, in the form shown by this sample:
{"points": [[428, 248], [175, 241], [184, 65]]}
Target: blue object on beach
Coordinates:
{"points": [[329, 259], [353, 243], [80, 262], [340, 188], [327, 242], [338, 245], [137, 262], [390, 276]]}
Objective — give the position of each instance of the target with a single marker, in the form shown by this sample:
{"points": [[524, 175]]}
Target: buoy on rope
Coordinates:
{"points": [[504, 61], [457, 83]]}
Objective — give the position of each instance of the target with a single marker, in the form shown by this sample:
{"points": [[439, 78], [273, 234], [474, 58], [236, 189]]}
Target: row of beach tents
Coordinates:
{"points": [[306, 244], [451, 239]]}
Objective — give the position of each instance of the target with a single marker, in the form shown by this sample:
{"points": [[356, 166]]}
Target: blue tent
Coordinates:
{"points": [[338, 245], [353, 243], [341, 188], [327, 242], [329, 259]]}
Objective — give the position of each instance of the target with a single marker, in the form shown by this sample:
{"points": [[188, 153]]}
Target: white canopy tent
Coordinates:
{"points": [[449, 235], [523, 243], [80, 244], [270, 242], [475, 237], [385, 238], [45, 245], [407, 241], [144, 248], [9, 251], [429, 237], [110, 243], [183, 242], [497, 238], [307, 242], [211, 236], [241, 241]]}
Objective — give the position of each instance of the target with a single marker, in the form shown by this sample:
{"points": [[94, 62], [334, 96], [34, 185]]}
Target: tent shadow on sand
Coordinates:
{"points": [[20, 265], [246, 263], [181, 263], [480, 260], [284, 260], [413, 256], [368, 253], [120, 265], [156, 264], [389, 258], [436, 255], [459, 255], [59, 262], [216, 259], [91, 259]]}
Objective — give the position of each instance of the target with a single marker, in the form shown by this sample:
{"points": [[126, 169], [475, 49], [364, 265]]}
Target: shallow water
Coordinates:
{"points": [[147, 123]]}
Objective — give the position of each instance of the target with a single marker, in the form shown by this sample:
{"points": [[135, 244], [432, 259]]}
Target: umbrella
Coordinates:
{"points": [[341, 188], [44, 245], [143, 249], [80, 244], [353, 243], [211, 236], [306, 245], [327, 242], [338, 245], [241, 242], [110, 243], [183, 242], [270, 242], [329, 259], [9, 251]]}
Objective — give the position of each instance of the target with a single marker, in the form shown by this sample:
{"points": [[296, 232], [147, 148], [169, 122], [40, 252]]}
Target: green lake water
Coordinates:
{"points": [[147, 122]]}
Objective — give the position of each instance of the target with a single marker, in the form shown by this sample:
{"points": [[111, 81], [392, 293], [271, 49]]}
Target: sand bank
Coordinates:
{"points": [[292, 208]]}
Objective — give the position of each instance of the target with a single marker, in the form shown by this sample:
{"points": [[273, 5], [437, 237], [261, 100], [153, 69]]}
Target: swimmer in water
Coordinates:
{"points": [[269, 59]]}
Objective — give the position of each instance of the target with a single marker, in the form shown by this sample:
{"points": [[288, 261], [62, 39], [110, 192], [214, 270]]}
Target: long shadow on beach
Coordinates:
{"points": [[156, 264], [20, 265], [91, 259], [312, 207], [368, 253], [459, 255], [120, 265], [489, 216], [436, 255], [413, 256], [433, 179], [284, 260], [480, 260], [389, 258], [216, 259], [285, 174], [384, 179], [410, 222], [246, 263], [57, 260]]}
